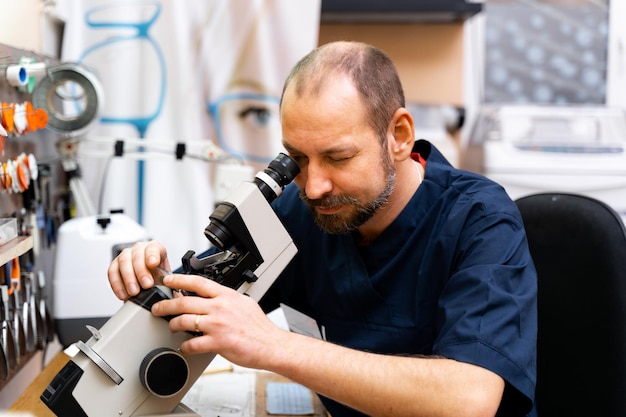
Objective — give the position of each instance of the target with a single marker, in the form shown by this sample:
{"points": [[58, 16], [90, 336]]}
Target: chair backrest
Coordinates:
{"points": [[578, 245]]}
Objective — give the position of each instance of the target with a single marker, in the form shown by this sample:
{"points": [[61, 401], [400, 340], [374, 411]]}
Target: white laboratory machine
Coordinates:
{"points": [[576, 149], [85, 248]]}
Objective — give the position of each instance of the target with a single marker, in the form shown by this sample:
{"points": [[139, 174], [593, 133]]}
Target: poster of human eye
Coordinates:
{"points": [[187, 86]]}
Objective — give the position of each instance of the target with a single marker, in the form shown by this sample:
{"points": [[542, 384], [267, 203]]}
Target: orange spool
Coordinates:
{"points": [[40, 118], [22, 176], [8, 111]]}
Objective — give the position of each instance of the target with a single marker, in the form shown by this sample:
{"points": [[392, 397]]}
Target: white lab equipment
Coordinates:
{"points": [[85, 248], [533, 149]]}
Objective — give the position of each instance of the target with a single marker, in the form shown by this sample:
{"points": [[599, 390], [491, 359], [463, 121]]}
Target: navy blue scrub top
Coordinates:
{"points": [[451, 276]]}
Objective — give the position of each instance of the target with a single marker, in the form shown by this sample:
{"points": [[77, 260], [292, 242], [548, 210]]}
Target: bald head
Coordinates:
{"points": [[371, 71]]}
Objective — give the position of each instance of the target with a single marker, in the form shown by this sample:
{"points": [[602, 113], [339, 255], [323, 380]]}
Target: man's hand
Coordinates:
{"points": [[232, 324], [137, 267]]}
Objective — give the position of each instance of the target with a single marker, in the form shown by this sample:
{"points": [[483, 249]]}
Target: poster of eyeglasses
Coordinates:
{"points": [[178, 71]]}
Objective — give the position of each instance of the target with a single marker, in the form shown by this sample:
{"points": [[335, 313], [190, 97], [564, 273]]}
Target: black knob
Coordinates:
{"points": [[103, 221], [164, 372]]}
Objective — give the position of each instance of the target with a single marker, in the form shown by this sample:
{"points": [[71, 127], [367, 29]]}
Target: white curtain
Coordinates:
{"points": [[178, 71]]}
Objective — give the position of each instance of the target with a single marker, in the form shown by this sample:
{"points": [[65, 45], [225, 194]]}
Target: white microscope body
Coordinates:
{"points": [[131, 366]]}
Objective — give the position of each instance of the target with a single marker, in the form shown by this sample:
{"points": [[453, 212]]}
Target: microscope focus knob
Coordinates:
{"points": [[164, 372]]}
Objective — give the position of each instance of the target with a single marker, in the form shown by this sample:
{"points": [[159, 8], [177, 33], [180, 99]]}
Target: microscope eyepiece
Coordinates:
{"points": [[271, 182], [280, 172]]}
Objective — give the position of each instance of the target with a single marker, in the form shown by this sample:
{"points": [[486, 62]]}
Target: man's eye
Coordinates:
{"points": [[301, 160]]}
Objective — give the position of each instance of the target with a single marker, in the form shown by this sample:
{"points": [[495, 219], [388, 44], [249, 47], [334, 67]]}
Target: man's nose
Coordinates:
{"points": [[317, 182]]}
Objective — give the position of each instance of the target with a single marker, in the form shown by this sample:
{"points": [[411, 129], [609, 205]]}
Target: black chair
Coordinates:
{"points": [[578, 245]]}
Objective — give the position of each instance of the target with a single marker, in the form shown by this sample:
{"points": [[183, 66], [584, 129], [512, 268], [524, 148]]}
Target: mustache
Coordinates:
{"points": [[329, 200]]}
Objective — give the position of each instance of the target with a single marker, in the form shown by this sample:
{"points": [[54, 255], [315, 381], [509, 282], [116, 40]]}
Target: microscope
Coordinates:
{"points": [[132, 365]]}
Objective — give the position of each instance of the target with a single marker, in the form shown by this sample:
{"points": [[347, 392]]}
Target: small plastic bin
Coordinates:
{"points": [[8, 230]]}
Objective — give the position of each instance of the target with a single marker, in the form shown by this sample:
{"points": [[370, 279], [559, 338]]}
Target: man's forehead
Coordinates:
{"points": [[318, 84]]}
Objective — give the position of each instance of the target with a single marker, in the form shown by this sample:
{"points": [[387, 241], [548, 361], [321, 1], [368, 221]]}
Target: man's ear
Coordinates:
{"points": [[403, 134]]}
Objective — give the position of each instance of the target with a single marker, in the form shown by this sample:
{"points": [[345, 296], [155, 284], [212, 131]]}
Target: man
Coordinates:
{"points": [[419, 273]]}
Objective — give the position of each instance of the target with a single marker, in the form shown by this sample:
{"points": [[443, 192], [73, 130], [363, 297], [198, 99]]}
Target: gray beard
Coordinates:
{"points": [[341, 223]]}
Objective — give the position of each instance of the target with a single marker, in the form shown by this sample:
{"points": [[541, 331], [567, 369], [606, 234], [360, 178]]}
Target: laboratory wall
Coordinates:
{"points": [[429, 56]]}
